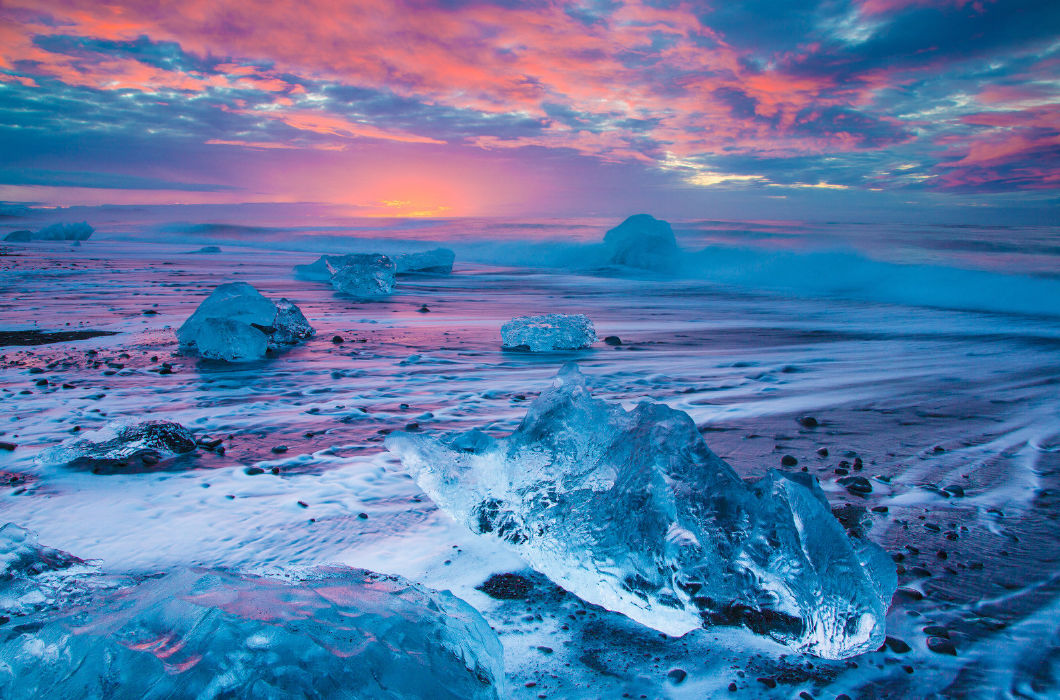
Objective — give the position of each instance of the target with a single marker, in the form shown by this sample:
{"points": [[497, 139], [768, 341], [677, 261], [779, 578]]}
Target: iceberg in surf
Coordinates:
{"points": [[548, 332], [30, 575], [236, 324], [632, 511], [642, 241], [361, 275], [64, 232], [438, 260], [121, 447], [199, 633]]}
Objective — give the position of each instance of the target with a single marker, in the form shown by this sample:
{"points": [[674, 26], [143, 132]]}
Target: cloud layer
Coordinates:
{"points": [[469, 106]]}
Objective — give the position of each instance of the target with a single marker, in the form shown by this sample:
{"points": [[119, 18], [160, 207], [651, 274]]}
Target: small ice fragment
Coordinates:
{"points": [[438, 260], [363, 276], [121, 447], [549, 332], [64, 232], [632, 511], [200, 633], [209, 249], [643, 241], [236, 324]]}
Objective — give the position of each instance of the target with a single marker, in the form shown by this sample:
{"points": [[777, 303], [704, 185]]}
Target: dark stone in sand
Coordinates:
{"points": [[506, 587], [35, 337], [279, 449], [897, 645], [768, 682], [677, 676], [823, 451], [362, 516], [955, 490], [732, 687], [856, 484], [253, 471], [808, 422], [788, 461], [337, 339], [423, 309], [941, 645], [613, 340], [8, 446]]}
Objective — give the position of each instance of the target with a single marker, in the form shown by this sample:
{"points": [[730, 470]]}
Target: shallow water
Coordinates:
{"points": [[931, 354]]}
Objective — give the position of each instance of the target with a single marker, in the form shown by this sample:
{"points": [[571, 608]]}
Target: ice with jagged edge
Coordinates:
{"points": [[199, 633], [33, 577], [67, 231], [359, 275], [236, 323], [632, 511], [549, 332], [437, 260], [121, 447], [643, 241]]}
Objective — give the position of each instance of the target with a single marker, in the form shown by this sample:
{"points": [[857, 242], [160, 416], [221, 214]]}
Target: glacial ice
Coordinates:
{"points": [[436, 260], [236, 324], [642, 241], [64, 232], [21, 236], [121, 447], [549, 332], [198, 633], [360, 275], [632, 511], [27, 583]]}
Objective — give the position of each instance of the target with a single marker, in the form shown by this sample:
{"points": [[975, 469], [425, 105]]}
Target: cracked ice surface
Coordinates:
{"points": [[632, 511], [330, 632]]}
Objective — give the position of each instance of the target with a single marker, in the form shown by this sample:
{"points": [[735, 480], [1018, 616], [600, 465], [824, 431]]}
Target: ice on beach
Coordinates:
{"points": [[27, 582], [439, 260], [121, 447], [642, 241], [549, 332], [199, 633], [22, 236], [632, 511], [236, 324], [361, 275]]}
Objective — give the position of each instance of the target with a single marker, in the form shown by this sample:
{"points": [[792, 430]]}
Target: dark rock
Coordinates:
{"points": [[8, 446], [768, 682], [677, 676], [279, 449], [823, 451], [788, 461], [253, 471], [423, 310], [506, 587], [941, 645], [337, 339], [955, 490], [858, 485], [613, 340], [897, 645], [808, 422]]}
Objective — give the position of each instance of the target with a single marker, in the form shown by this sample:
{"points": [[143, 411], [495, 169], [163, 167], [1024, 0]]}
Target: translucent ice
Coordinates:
{"points": [[632, 511], [549, 332], [194, 633], [436, 260], [22, 236], [121, 447], [363, 276], [236, 323], [26, 583], [642, 241]]}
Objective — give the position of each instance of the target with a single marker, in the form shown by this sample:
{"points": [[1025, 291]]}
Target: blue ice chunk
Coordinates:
{"points": [[642, 241], [549, 332]]}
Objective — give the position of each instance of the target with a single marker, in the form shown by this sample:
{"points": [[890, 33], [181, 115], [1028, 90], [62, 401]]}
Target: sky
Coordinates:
{"points": [[837, 109]]}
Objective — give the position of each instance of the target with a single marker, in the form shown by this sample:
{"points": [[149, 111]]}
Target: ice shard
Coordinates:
{"points": [[549, 332], [643, 241], [632, 511], [438, 260], [237, 324], [121, 447], [363, 276], [199, 633], [27, 572]]}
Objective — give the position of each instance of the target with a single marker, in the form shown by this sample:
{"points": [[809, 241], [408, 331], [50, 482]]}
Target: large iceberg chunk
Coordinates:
{"points": [[632, 511], [194, 633], [549, 332], [27, 571], [436, 260], [642, 241], [236, 324], [121, 447]]}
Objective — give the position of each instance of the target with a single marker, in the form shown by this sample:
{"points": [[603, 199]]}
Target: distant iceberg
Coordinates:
{"points": [[330, 632], [360, 275], [237, 324], [642, 241], [438, 260], [549, 332], [632, 511]]}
